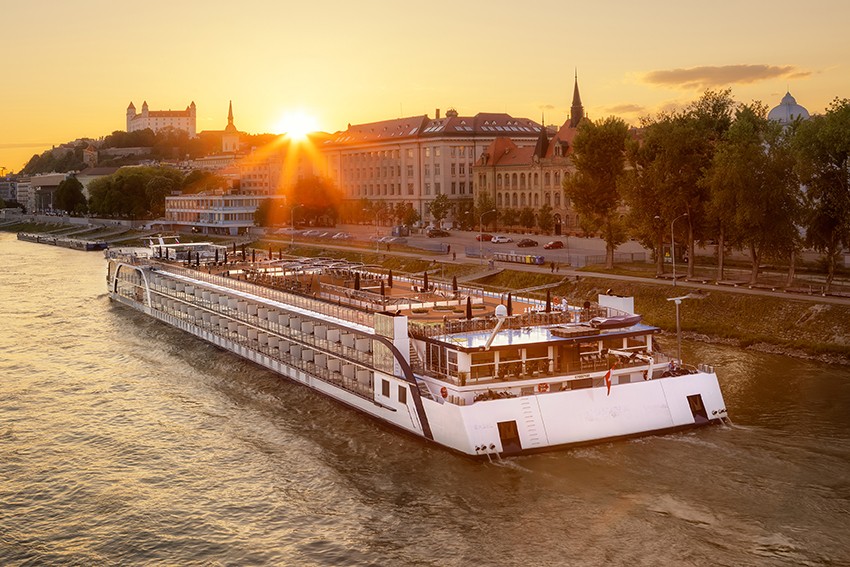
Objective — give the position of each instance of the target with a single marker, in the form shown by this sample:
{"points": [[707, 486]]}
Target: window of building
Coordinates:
{"points": [[402, 394], [461, 167], [536, 180], [522, 180], [557, 199], [522, 199], [547, 179], [499, 199], [427, 171], [436, 188], [427, 188], [454, 187], [515, 200], [536, 200], [410, 171], [557, 178], [546, 199], [499, 180], [437, 152], [410, 188], [385, 388], [436, 169], [427, 152], [463, 187], [463, 151], [410, 153], [453, 152]]}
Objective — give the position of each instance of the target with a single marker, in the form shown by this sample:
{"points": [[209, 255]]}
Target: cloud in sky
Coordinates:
{"points": [[711, 76], [625, 109]]}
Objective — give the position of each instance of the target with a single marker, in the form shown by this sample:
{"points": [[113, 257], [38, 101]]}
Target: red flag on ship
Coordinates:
{"points": [[608, 378]]}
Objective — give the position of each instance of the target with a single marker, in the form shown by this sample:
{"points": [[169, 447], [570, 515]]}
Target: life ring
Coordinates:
{"points": [[543, 387], [444, 392]]}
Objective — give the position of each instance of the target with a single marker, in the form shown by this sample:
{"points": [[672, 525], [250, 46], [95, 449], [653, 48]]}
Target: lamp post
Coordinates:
{"points": [[696, 295], [480, 232], [292, 234], [673, 250]]}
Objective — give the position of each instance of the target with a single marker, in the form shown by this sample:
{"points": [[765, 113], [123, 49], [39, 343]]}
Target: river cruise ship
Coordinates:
{"points": [[483, 374]]}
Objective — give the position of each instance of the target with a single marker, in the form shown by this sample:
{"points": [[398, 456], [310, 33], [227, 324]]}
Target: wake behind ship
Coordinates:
{"points": [[473, 371]]}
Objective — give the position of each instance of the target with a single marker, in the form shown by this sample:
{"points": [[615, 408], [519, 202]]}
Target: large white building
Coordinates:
{"points": [[414, 159], [157, 120], [226, 213], [788, 111]]}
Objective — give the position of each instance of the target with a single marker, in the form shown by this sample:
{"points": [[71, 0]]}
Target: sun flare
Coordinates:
{"points": [[297, 124]]}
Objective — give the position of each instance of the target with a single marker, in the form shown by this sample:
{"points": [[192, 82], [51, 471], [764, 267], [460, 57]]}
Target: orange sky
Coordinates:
{"points": [[71, 68]]}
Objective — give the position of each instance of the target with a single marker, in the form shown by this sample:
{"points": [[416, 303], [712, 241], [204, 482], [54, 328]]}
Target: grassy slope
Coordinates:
{"points": [[812, 328]]}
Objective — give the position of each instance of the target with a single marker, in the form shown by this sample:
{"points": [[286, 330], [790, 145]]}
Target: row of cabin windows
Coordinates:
{"points": [[402, 391]]}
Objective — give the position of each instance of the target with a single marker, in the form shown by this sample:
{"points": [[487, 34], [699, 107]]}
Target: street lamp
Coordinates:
{"points": [[696, 295], [673, 249], [292, 234], [480, 233]]}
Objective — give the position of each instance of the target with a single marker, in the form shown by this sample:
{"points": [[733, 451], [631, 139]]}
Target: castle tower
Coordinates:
{"points": [[576, 110], [131, 113], [145, 111]]}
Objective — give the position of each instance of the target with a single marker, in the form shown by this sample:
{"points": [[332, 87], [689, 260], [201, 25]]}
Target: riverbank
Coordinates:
{"points": [[801, 329]]}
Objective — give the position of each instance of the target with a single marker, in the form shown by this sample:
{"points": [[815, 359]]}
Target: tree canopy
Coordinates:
{"points": [[599, 158], [69, 196], [125, 192], [822, 147]]}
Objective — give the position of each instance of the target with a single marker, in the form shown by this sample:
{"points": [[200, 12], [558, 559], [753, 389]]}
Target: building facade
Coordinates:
{"points": [[157, 120], [226, 213], [414, 159], [518, 177]]}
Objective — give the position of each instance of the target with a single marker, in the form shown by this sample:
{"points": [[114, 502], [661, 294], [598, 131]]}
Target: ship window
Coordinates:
{"points": [[385, 388], [402, 394]]}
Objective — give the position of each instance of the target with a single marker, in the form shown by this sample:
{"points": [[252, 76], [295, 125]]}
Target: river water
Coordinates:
{"points": [[126, 442]]}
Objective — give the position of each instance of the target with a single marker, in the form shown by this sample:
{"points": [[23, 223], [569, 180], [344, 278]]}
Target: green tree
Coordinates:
{"points": [[526, 217], [822, 146], [509, 217], [599, 158], [483, 206], [69, 195], [124, 193], [440, 207], [412, 216], [320, 197], [544, 218], [667, 168], [156, 190], [753, 189]]}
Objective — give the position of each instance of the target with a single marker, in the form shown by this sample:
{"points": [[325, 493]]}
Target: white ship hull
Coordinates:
{"points": [[342, 360]]}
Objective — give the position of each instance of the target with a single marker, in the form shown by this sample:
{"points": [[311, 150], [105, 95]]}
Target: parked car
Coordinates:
{"points": [[437, 232], [484, 237], [311, 233], [526, 243], [397, 240], [343, 236], [554, 244], [500, 239]]}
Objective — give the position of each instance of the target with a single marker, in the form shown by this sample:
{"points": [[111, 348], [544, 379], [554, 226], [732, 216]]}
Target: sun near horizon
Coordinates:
{"points": [[296, 124]]}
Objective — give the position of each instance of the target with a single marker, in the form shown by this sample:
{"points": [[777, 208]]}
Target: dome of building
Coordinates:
{"points": [[788, 111]]}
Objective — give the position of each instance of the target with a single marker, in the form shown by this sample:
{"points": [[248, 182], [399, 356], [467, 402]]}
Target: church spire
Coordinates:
{"points": [[230, 114], [577, 110]]}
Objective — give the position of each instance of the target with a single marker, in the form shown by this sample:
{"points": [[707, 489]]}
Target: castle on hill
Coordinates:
{"points": [[157, 120]]}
